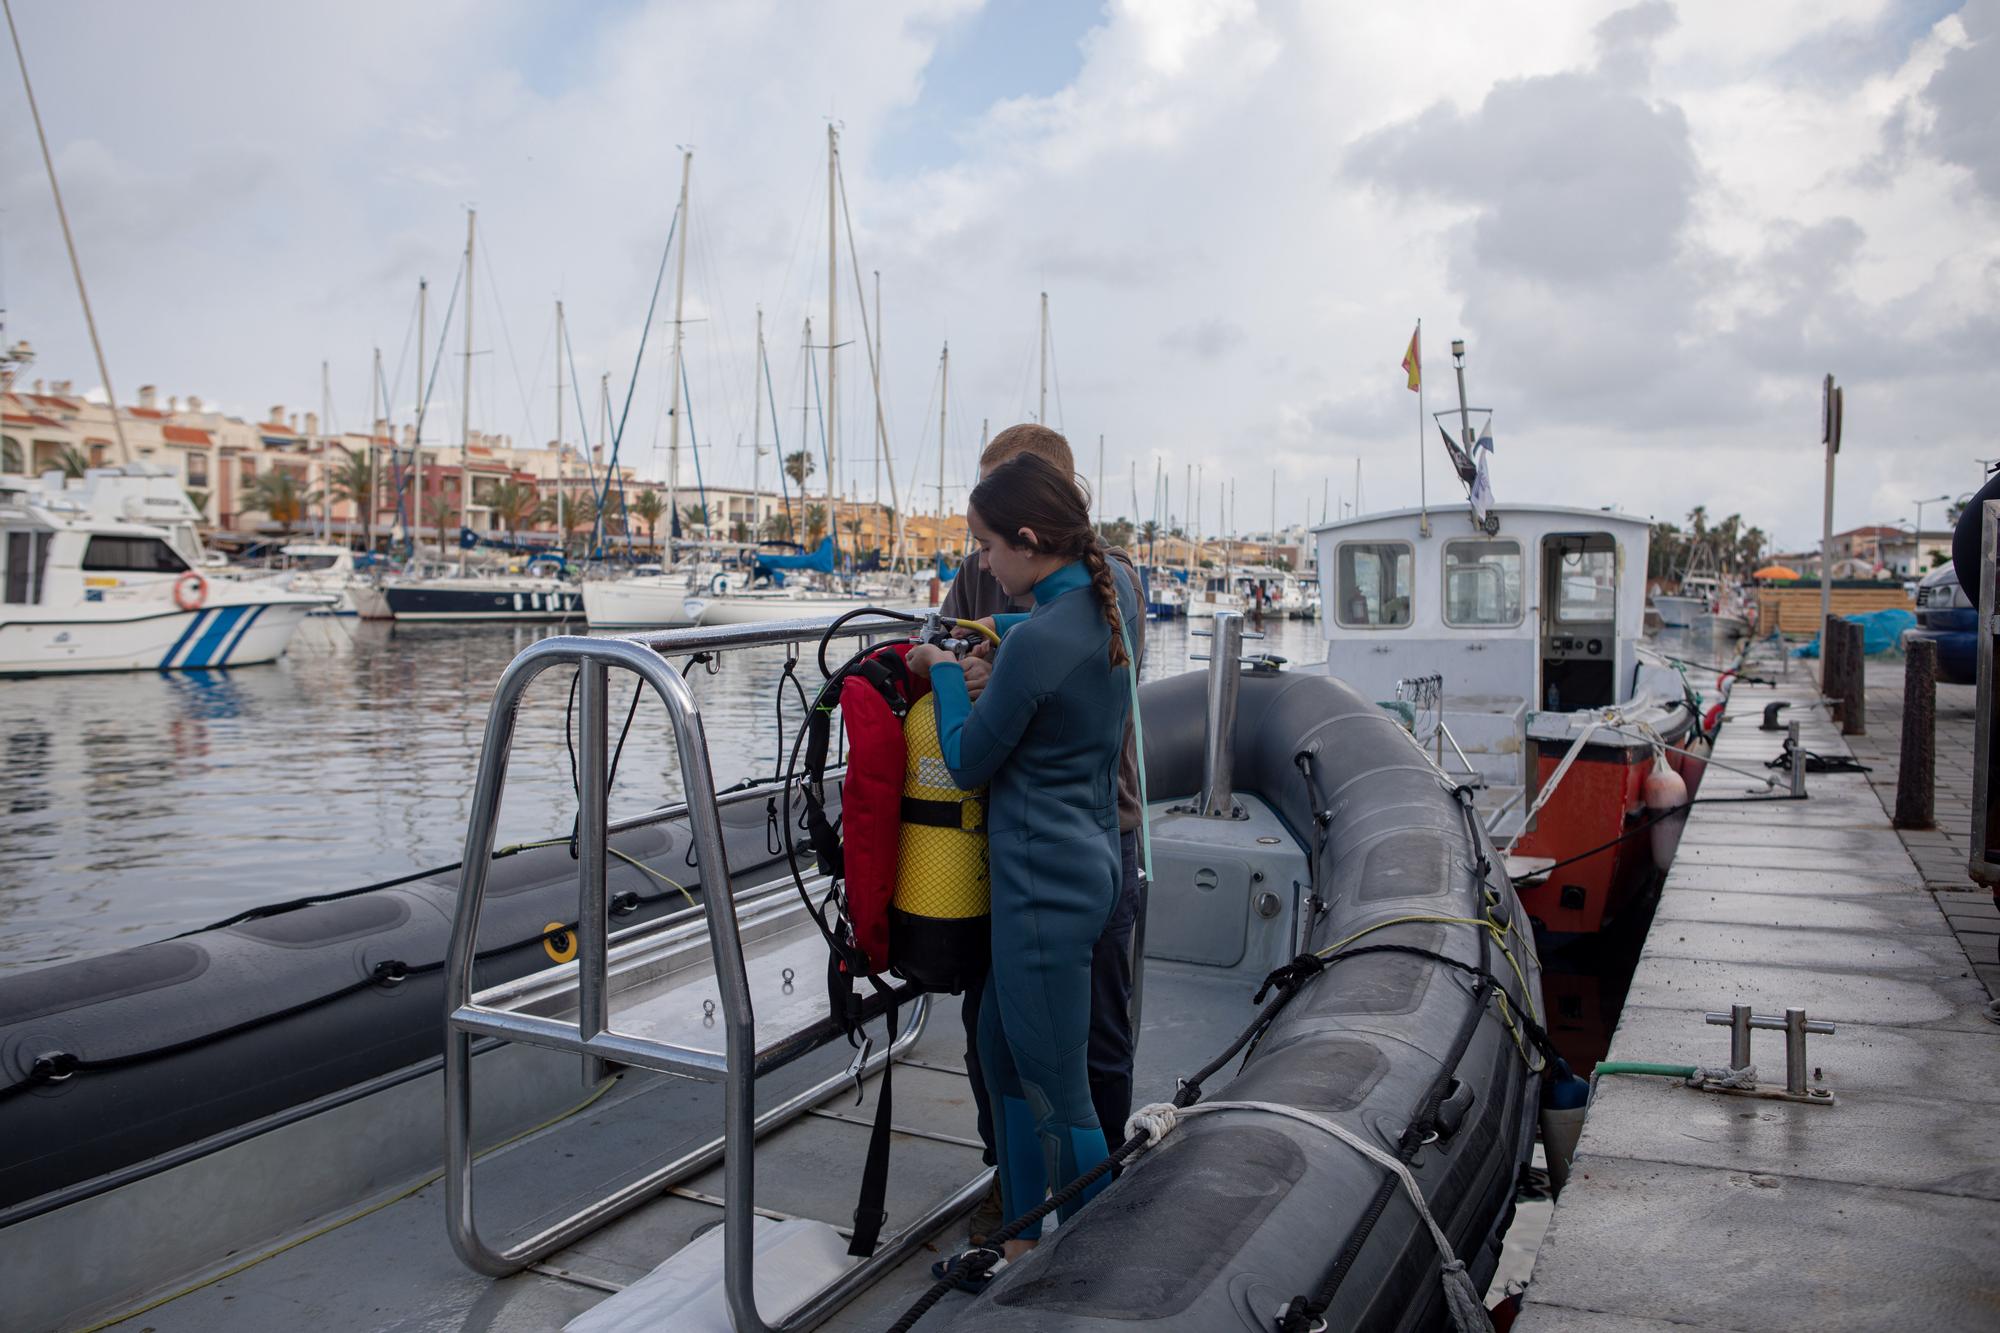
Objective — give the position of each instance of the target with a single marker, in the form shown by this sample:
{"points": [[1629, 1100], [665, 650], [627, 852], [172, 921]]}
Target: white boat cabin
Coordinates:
{"points": [[1548, 608], [1528, 626]]}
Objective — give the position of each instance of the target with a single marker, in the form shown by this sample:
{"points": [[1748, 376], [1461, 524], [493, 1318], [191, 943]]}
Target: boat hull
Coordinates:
{"points": [[415, 601], [636, 603], [214, 636], [1679, 612], [1600, 805], [753, 609]]}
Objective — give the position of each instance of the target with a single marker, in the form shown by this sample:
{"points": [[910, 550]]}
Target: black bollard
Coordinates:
{"points": [[1832, 644], [1854, 682], [1916, 768]]}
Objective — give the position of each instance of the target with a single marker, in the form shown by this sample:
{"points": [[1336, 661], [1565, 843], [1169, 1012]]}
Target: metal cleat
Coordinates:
{"points": [[1739, 1077]]}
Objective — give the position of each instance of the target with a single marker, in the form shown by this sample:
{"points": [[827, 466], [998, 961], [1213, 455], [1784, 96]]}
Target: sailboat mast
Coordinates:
{"points": [[757, 434], [1042, 412], [417, 445], [465, 445], [832, 409], [1187, 550], [674, 389], [375, 417], [1100, 480], [562, 454], [881, 438], [944, 400], [323, 420]]}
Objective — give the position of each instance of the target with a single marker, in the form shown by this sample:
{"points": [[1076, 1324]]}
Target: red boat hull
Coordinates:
{"points": [[1600, 805]]}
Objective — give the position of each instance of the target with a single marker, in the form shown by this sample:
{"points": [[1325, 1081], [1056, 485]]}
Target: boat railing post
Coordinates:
{"points": [[1798, 758], [593, 833], [1218, 758]]}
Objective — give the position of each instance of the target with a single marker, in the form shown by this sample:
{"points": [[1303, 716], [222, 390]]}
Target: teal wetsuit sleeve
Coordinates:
{"points": [[1006, 620], [977, 741]]}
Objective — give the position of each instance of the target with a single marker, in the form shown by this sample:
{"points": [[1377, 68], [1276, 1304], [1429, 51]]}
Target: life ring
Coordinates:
{"points": [[719, 583], [190, 591]]}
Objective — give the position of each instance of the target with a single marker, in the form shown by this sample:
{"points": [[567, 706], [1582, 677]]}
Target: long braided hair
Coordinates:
{"points": [[1028, 491]]}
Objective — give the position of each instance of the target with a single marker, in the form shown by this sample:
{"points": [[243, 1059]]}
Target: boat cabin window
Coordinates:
{"points": [[313, 563], [27, 560], [1588, 591], [132, 555], [1482, 582], [1374, 587]]}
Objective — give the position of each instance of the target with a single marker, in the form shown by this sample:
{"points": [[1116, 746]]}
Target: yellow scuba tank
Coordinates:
{"points": [[939, 930]]}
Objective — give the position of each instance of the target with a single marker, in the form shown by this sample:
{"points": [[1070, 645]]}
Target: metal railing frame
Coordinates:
{"points": [[590, 1035]]}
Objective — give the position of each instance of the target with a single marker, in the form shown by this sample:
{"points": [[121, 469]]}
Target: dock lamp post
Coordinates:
{"points": [[1933, 500]]}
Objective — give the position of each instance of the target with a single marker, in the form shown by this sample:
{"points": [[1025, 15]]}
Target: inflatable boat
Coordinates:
{"points": [[252, 1127]]}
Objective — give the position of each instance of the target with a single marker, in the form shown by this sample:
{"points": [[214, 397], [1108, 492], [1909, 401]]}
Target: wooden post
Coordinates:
{"points": [[1832, 643], [1853, 682], [1916, 767]]}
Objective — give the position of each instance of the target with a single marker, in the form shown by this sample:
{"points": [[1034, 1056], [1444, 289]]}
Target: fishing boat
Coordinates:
{"points": [[1515, 641], [1166, 593], [240, 1128], [1209, 596], [88, 592], [1699, 589]]}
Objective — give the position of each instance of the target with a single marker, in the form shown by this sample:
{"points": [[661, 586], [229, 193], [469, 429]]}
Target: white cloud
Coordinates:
{"points": [[1656, 226]]}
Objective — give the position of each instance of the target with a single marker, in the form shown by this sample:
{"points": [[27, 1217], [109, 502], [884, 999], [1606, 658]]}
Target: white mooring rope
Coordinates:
{"points": [[1468, 1314]]}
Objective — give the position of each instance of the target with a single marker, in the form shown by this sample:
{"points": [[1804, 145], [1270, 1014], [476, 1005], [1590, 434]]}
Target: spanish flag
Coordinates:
{"points": [[1413, 361]]}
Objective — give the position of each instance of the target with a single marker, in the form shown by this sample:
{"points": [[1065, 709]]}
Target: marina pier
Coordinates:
{"points": [[1694, 1209]]}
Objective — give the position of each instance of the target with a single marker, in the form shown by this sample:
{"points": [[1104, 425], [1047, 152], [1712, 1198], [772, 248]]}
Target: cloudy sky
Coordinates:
{"points": [[1656, 226]]}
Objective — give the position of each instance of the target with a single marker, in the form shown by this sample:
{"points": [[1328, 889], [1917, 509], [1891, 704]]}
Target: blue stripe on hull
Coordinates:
{"points": [[248, 621], [181, 642], [203, 653]]}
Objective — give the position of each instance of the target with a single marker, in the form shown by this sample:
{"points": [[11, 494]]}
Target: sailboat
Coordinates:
{"points": [[469, 596]]}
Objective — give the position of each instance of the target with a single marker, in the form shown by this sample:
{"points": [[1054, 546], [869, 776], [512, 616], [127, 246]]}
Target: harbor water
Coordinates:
{"points": [[139, 805]]}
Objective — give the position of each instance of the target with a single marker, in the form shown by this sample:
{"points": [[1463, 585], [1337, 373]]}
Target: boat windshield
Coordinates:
{"points": [[310, 563]]}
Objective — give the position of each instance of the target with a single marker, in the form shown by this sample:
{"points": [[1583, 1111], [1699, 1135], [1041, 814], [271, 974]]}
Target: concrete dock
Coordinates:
{"points": [[1692, 1209]]}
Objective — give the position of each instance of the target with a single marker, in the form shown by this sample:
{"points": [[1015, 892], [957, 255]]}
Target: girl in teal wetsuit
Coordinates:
{"points": [[1045, 736]]}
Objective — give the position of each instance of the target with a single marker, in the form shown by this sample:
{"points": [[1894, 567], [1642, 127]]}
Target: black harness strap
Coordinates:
{"points": [[871, 1209]]}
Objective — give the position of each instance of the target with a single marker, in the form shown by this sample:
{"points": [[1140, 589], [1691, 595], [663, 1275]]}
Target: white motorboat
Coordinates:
{"points": [[84, 592], [323, 570], [755, 605], [641, 600], [1214, 596]]}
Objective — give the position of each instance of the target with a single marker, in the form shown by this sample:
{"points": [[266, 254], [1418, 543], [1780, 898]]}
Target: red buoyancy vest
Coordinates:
{"points": [[872, 705]]}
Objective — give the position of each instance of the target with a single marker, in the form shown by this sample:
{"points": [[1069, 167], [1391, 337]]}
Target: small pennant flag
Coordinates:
{"points": [[1459, 462], [1413, 361], [1482, 492], [1485, 440]]}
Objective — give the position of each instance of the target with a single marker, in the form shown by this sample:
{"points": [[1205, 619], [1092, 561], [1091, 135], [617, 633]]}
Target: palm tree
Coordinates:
{"points": [[199, 499], [778, 527], [694, 517], [514, 503], [739, 531], [353, 480], [73, 461], [815, 524], [799, 466], [648, 508], [1148, 531], [278, 495], [442, 511]]}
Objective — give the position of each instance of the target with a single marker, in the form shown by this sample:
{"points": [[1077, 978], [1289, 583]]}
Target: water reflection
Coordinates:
{"points": [[137, 805]]}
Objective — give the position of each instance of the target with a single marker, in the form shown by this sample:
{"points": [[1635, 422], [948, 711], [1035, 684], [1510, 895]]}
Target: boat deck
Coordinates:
{"points": [[389, 1264], [1692, 1210]]}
